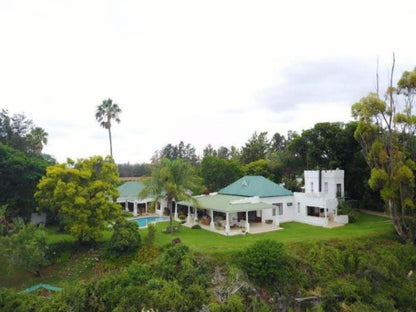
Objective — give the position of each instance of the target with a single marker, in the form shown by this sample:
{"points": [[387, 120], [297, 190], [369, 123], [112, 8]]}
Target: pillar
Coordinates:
{"points": [[146, 208], [188, 219], [135, 208], [247, 223], [126, 205], [212, 224], [227, 223], [196, 214], [175, 215]]}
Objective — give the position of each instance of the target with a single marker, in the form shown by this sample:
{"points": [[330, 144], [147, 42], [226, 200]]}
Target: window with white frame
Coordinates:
{"points": [[311, 187], [325, 187], [298, 207]]}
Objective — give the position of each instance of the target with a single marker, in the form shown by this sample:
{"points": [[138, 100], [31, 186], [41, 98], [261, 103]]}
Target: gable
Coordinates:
{"points": [[250, 186]]}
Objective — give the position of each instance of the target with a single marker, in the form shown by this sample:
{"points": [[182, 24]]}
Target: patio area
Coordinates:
{"points": [[255, 228]]}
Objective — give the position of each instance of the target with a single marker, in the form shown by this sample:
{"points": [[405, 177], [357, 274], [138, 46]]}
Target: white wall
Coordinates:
{"points": [[287, 210], [332, 177]]}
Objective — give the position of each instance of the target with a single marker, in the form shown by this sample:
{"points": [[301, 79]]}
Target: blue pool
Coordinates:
{"points": [[144, 221]]}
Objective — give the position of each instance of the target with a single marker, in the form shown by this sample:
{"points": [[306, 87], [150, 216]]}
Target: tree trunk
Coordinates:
{"points": [[397, 222], [170, 214], [111, 143]]}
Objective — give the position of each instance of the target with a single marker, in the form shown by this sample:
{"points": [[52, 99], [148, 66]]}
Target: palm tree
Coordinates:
{"points": [[106, 112], [171, 180], [38, 138]]}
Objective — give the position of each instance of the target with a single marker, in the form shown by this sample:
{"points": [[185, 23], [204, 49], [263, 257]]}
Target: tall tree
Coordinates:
{"points": [[38, 138], [182, 151], [81, 195], [19, 174], [218, 172], [106, 112], [385, 133], [172, 180], [256, 148]]}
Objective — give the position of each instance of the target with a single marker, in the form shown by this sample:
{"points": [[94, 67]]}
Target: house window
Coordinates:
{"points": [[273, 212], [289, 204], [326, 187], [339, 190], [311, 187], [298, 207], [313, 211], [280, 207]]}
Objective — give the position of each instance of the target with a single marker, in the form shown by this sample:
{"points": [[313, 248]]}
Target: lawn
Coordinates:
{"points": [[293, 232]]}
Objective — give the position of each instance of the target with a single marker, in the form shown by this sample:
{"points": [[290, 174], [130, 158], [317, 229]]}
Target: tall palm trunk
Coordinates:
{"points": [[111, 143], [169, 199]]}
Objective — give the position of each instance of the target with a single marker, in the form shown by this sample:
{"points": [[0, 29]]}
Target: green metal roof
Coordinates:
{"points": [[228, 203], [255, 186], [129, 191]]}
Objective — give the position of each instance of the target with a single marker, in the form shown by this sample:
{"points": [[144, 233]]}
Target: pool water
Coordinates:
{"points": [[144, 221]]}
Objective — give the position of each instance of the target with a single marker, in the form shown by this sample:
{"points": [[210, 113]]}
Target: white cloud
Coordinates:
{"points": [[203, 72]]}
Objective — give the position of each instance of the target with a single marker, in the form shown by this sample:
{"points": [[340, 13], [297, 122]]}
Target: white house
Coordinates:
{"points": [[254, 200]]}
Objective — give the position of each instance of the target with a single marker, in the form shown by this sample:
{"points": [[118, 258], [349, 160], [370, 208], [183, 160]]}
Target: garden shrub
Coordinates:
{"points": [[266, 263], [196, 227], [151, 233], [125, 238]]}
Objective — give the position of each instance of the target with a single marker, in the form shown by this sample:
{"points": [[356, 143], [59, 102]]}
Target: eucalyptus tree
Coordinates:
{"points": [[386, 133], [106, 112], [172, 180]]}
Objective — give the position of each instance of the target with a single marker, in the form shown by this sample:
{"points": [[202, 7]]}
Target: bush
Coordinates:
{"points": [[151, 232], [196, 227], [125, 238], [266, 263], [182, 217], [345, 208], [58, 250], [26, 249]]}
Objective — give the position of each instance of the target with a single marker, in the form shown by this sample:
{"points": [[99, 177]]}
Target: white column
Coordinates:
{"points": [[175, 215], [212, 224], [276, 218], [196, 214], [247, 223], [326, 217], [227, 223], [126, 205], [146, 208], [135, 208], [188, 218]]}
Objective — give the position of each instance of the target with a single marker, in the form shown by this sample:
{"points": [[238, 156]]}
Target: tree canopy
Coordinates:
{"points": [[19, 175], [106, 112], [81, 195], [386, 133], [172, 180]]}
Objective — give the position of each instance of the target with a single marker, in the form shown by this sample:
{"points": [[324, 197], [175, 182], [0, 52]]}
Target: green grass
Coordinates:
{"points": [[293, 232]]}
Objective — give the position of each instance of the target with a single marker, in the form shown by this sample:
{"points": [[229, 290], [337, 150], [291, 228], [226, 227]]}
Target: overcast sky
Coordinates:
{"points": [[205, 72]]}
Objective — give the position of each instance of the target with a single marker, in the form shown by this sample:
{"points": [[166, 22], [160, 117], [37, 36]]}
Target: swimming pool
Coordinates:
{"points": [[144, 221]]}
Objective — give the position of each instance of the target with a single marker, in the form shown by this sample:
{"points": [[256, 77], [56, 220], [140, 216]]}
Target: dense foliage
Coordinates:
{"points": [[386, 131], [219, 172], [26, 249], [81, 195], [19, 175], [126, 237], [361, 275], [266, 263]]}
